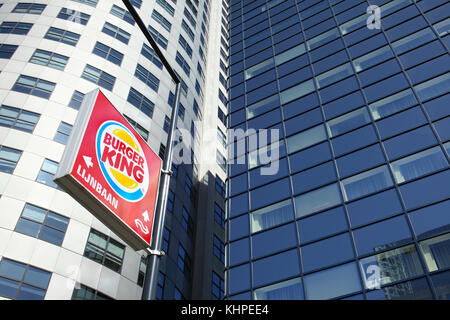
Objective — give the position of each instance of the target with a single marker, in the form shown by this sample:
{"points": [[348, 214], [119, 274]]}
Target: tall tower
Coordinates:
{"points": [[356, 96], [51, 54]]}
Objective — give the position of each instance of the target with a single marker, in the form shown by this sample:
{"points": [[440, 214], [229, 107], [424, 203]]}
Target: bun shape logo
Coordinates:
{"points": [[122, 161]]}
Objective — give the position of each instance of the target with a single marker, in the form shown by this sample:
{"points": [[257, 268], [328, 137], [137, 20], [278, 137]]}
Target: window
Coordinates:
{"points": [[141, 102], [47, 173], [419, 164], [287, 290], [166, 240], [142, 132], [98, 77], [334, 75], [220, 187], [436, 252], [76, 100], [297, 91], [147, 77], [42, 224], [49, 59], [258, 68], [317, 200], [219, 249], [19, 281], [390, 266], [162, 151], [183, 63], [187, 185], [166, 124], [161, 20], [63, 36], [348, 122], [7, 50], [116, 32], [434, 87], [34, 86], [108, 53], [323, 38], [218, 286], [15, 27], [159, 38], [306, 138], [367, 182], [186, 222], [271, 216], [222, 116], [63, 133], [183, 261], [151, 55], [222, 138], [18, 119], [142, 271], [332, 283], [166, 6], [122, 14], [92, 3], [221, 161], [104, 250], [181, 111], [160, 286], [372, 58], [219, 215], [30, 8], [170, 201], [290, 54], [188, 30], [392, 104], [190, 18], [74, 16], [85, 293], [412, 41], [8, 159], [182, 41], [177, 294]]}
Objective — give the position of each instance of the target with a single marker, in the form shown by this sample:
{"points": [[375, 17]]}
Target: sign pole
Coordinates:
{"points": [[155, 254], [153, 260]]}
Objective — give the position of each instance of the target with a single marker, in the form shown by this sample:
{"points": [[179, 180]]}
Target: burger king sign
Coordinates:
{"points": [[111, 171]]}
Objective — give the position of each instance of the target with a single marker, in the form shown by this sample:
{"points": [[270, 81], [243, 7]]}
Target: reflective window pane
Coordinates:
{"points": [[327, 252], [306, 138], [382, 235], [410, 290], [275, 268], [441, 282], [348, 122], [392, 104], [332, 283], [436, 252], [390, 266], [419, 164], [287, 290], [317, 200], [271, 216], [366, 183]]}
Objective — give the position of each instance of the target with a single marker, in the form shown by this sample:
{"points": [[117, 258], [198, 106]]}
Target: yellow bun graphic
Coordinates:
{"points": [[124, 136], [123, 179]]}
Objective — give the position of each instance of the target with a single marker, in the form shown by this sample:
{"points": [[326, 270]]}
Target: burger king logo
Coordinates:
{"points": [[122, 161]]}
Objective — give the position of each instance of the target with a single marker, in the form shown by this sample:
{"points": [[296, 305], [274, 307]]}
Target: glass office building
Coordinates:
{"points": [[51, 54], [360, 205]]}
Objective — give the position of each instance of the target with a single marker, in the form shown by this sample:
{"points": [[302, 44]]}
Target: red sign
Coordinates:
{"points": [[116, 168]]}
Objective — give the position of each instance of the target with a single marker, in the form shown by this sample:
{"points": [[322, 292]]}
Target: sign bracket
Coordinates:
{"points": [[158, 253]]}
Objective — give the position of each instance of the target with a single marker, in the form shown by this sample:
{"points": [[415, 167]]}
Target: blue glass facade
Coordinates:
{"points": [[359, 206]]}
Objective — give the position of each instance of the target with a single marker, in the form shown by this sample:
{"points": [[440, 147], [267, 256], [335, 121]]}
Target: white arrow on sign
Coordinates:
{"points": [[88, 161], [146, 217]]}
